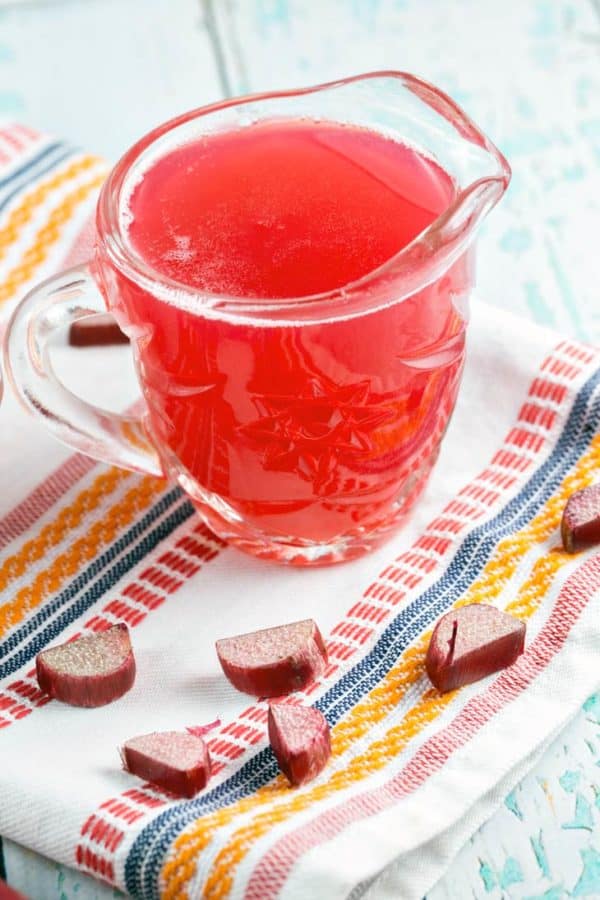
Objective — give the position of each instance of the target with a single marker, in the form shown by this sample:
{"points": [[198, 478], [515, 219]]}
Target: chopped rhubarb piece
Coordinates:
{"points": [[201, 730], [274, 661], [580, 526], [471, 642], [95, 332], [90, 671], [299, 736], [176, 761]]}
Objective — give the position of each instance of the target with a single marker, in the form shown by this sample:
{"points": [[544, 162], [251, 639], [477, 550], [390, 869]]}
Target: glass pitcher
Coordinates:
{"points": [[302, 428]]}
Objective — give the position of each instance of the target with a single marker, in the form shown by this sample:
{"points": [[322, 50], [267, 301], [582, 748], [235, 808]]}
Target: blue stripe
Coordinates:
{"points": [[30, 164], [148, 852], [33, 176], [98, 588]]}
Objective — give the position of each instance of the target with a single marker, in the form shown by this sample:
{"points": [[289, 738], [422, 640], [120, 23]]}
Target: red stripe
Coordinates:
{"points": [[143, 595], [564, 369], [177, 563], [98, 623], [125, 613], [196, 548], [353, 631], [256, 714], [11, 139], [548, 390], [509, 460], [367, 611], [28, 132], [95, 863], [500, 479], [120, 810], [161, 580], [52, 488], [433, 542], [104, 833], [272, 871], [44, 496], [534, 414], [521, 437], [82, 248], [143, 798]]}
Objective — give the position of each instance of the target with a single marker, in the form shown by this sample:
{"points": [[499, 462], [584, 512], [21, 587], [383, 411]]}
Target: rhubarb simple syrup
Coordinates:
{"points": [[309, 430]]}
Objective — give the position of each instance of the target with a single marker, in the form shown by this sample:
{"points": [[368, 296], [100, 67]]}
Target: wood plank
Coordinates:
{"points": [[527, 72], [103, 72]]}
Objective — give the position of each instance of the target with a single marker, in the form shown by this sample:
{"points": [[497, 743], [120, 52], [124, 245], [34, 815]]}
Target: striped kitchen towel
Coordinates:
{"points": [[412, 772]]}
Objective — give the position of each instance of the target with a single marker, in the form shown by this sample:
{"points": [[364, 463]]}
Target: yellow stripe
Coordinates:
{"points": [[23, 213], [511, 550], [68, 519], [376, 705], [48, 235], [377, 756], [82, 550]]}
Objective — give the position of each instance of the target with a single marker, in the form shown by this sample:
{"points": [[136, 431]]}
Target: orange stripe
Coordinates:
{"points": [[68, 519], [23, 213], [48, 235], [83, 549]]}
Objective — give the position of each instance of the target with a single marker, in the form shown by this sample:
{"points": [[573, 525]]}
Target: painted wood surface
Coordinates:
{"points": [[101, 72]]}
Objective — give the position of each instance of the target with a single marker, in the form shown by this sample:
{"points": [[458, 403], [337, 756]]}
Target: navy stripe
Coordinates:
{"points": [[33, 176], [148, 852], [30, 163], [123, 565], [2, 866]]}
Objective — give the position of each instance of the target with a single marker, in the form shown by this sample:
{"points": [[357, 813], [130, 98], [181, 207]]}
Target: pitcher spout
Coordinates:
{"points": [[479, 172], [458, 226], [474, 204]]}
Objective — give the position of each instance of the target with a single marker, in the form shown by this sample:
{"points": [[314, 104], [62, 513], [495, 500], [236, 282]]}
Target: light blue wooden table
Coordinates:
{"points": [[101, 72]]}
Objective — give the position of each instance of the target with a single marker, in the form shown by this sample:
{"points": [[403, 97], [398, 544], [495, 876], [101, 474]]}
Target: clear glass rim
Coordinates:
{"points": [[133, 266]]}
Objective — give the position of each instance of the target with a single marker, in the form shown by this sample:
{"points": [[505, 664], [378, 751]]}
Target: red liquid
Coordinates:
{"points": [[283, 210], [312, 431]]}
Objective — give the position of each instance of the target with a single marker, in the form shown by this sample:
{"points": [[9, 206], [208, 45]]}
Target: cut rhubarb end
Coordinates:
{"points": [[580, 526], [470, 643], [177, 761], [91, 671], [96, 331], [300, 739], [275, 661], [201, 730]]}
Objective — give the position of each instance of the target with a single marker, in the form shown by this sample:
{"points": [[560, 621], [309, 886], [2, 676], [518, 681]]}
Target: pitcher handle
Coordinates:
{"points": [[56, 303]]}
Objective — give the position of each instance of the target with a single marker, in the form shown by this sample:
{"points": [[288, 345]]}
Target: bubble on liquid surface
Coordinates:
{"points": [[249, 256]]}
